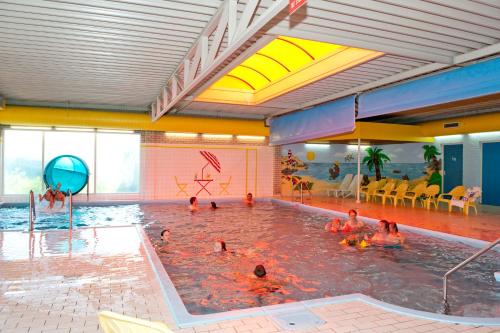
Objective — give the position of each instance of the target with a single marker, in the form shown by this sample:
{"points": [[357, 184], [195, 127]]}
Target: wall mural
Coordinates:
{"points": [[322, 166]]}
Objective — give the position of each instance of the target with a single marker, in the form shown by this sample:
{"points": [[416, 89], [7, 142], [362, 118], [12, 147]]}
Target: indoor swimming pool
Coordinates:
{"points": [[305, 262]]}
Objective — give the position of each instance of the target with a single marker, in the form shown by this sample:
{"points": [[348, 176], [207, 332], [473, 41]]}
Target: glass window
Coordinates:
{"points": [[79, 144], [22, 162], [118, 161]]}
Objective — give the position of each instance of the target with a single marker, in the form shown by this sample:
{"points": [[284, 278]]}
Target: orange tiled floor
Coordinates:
{"points": [[485, 225]]}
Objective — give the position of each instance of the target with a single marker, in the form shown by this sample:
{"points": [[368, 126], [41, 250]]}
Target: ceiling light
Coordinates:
{"points": [[71, 129], [181, 135], [449, 137], [217, 136], [251, 137], [318, 145], [114, 131], [32, 128], [485, 134]]}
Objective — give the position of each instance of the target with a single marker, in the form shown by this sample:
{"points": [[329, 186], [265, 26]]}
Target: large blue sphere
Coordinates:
{"points": [[71, 171]]}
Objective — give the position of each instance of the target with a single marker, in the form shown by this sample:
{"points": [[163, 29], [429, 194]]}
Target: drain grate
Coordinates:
{"points": [[297, 320]]}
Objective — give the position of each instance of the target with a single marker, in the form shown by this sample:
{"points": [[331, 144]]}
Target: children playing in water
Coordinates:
{"points": [[334, 226], [387, 235], [52, 196], [352, 224]]}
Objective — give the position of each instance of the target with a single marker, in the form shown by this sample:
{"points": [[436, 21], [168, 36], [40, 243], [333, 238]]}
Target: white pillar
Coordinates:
{"points": [[359, 171]]}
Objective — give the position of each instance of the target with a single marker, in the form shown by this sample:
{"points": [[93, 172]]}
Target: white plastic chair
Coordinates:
{"points": [[344, 185]]}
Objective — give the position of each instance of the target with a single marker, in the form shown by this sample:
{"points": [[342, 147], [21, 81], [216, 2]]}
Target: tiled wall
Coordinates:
{"points": [[169, 167]]}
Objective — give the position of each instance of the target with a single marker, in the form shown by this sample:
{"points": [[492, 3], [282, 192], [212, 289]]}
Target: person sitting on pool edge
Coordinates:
{"points": [[59, 195], [193, 204], [352, 224], [49, 196], [249, 199]]}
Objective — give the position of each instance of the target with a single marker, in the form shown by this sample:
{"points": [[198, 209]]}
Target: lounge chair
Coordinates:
{"points": [[370, 190], [181, 187], [470, 200], [352, 189], [455, 194], [344, 185], [384, 192], [398, 194], [415, 193], [429, 196], [116, 323], [224, 186]]}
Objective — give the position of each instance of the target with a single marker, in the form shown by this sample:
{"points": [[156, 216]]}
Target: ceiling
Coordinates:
{"points": [[119, 54]]}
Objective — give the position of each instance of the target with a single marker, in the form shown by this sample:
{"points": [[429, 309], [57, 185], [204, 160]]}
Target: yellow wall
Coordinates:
{"points": [[473, 124], [38, 116]]}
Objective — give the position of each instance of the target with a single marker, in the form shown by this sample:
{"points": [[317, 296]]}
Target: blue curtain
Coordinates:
{"points": [[323, 120], [458, 84]]}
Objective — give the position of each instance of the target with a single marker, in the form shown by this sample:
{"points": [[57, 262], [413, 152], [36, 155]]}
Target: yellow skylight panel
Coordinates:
{"points": [[285, 64]]}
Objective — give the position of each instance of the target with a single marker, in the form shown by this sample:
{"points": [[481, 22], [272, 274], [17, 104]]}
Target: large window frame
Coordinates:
{"points": [[91, 189]]}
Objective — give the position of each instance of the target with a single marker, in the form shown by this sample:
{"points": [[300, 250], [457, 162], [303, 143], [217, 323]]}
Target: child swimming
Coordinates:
{"points": [[193, 204], [335, 225], [394, 235], [352, 224]]}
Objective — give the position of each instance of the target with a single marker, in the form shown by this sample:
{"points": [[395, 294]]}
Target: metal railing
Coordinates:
{"points": [[32, 211], [70, 209], [446, 307]]}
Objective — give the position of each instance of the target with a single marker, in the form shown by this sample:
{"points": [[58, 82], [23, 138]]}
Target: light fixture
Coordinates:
{"points": [[114, 131], [181, 135], [74, 129], [251, 137], [217, 136], [32, 128], [485, 134], [449, 137], [318, 145]]}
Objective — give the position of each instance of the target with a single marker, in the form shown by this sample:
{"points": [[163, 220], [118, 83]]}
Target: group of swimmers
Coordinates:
{"points": [[387, 233], [52, 195], [193, 203]]}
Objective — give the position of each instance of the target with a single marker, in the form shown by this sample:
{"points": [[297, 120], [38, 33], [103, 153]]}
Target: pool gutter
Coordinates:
{"points": [[184, 319]]}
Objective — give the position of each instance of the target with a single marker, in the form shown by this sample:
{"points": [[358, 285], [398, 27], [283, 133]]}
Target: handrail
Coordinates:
{"points": [[446, 307], [70, 209], [32, 211]]}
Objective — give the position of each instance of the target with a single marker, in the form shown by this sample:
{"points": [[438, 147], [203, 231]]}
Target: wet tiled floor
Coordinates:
{"points": [[57, 281]]}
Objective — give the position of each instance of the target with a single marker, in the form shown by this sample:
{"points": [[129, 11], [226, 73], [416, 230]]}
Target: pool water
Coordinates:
{"points": [[16, 218], [305, 262]]}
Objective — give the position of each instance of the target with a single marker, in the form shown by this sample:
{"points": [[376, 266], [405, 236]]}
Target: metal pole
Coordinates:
{"points": [[359, 171], [446, 306], [301, 193], [32, 202], [70, 210]]}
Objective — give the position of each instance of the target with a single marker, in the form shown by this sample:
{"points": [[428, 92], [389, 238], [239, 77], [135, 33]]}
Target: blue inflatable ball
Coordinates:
{"points": [[71, 171]]}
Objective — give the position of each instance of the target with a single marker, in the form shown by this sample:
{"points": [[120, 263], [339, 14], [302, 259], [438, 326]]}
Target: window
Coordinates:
{"points": [[22, 162], [79, 144], [112, 158], [117, 163]]}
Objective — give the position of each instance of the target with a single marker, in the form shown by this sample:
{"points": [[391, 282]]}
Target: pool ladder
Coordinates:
{"points": [[446, 307], [33, 212]]}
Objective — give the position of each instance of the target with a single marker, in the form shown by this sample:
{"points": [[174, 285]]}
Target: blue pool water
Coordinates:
{"points": [[16, 218]]}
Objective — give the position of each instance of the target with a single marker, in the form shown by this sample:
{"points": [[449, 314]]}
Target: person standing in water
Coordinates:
{"points": [[249, 199], [193, 204]]}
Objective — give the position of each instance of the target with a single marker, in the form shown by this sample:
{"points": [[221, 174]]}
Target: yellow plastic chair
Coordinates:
{"points": [[398, 194], [381, 183], [415, 193], [116, 323], [429, 196], [181, 187], [370, 190], [385, 191], [455, 194], [224, 186]]}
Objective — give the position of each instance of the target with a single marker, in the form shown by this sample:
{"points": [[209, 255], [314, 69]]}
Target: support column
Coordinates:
{"points": [[359, 171]]}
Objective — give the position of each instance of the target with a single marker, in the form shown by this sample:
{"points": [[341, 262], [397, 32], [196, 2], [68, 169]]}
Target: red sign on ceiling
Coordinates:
{"points": [[293, 5]]}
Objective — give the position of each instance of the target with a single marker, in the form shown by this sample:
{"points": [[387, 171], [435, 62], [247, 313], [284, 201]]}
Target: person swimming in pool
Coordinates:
{"points": [[352, 224], [220, 247], [213, 205], [381, 236], [249, 199], [49, 196], [193, 204], [165, 235], [394, 235], [335, 225]]}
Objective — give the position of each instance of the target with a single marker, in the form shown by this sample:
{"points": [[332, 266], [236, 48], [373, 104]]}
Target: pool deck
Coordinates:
{"points": [[484, 226], [56, 281]]}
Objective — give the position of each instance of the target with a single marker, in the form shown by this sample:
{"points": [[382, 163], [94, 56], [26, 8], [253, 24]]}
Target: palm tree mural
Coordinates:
{"points": [[375, 159], [430, 156]]}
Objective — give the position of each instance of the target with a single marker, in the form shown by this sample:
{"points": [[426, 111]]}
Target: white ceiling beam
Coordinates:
{"points": [[477, 54], [232, 14], [246, 17], [344, 39], [239, 40]]}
